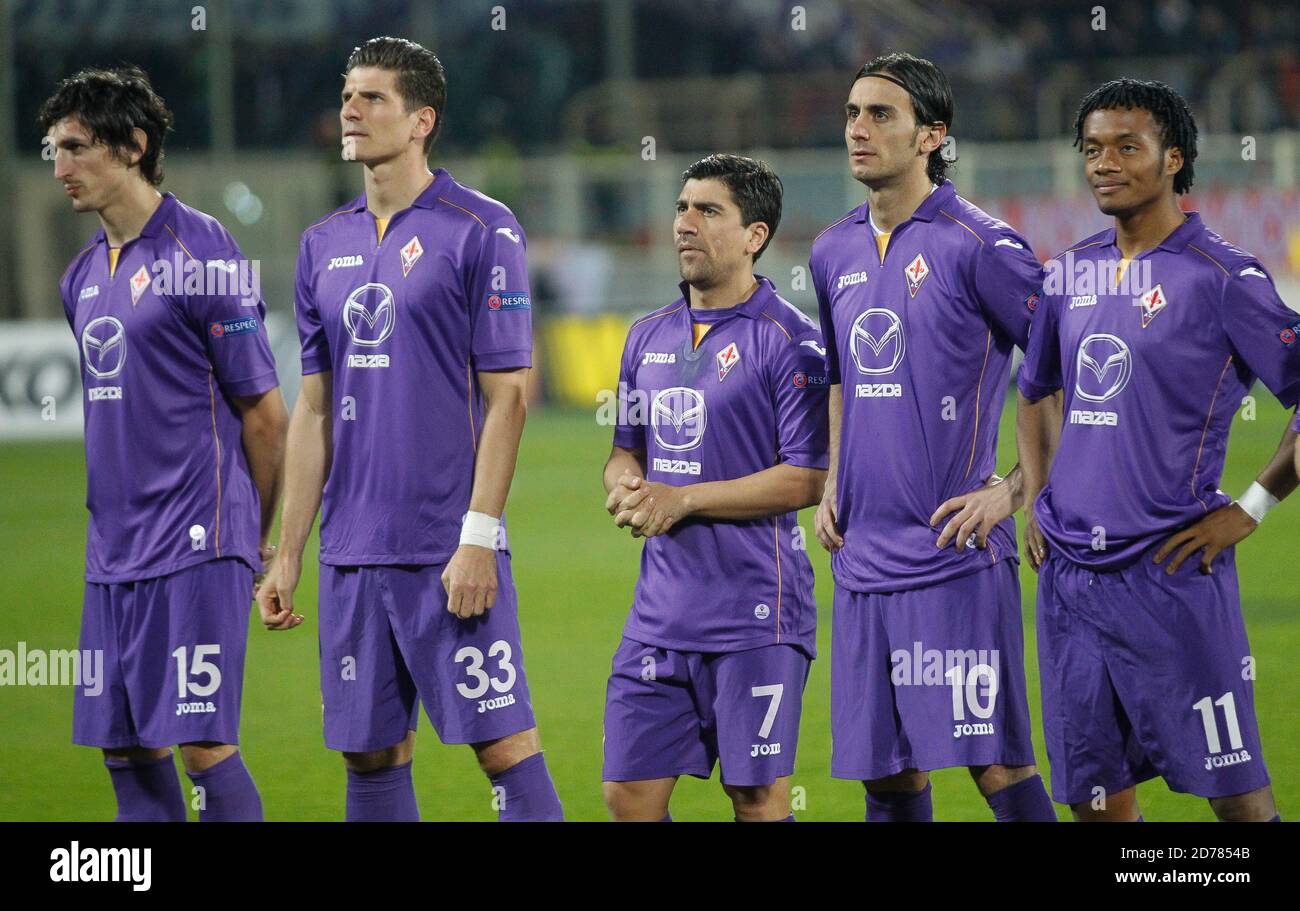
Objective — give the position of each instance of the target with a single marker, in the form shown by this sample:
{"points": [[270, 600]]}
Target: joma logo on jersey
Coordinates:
{"points": [[87, 293], [1083, 300], [344, 262], [853, 278], [677, 466], [496, 702], [1227, 759], [1094, 418], [878, 391], [764, 749], [658, 357], [368, 360], [194, 708], [972, 730]]}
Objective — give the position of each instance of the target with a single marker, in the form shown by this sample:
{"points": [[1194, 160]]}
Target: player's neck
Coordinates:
{"points": [[392, 186], [719, 297], [893, 203], [125, 217], [1139, 231]]}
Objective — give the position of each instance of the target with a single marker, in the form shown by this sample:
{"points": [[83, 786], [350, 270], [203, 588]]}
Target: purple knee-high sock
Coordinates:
{"points": [[147, 791], [900, 806], [229, 794], [384, 795], [525, 793], [1024, 801]]}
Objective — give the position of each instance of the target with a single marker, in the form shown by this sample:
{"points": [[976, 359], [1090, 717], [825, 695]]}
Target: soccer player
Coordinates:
{"points": [[721, 441], [413, 311], [922, 297], [185, 428], [1144, 661]]}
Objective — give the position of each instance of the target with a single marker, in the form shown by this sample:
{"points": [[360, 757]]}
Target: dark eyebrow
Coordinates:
{"points": [[873, 108], [1092, 137], [702, 204]]}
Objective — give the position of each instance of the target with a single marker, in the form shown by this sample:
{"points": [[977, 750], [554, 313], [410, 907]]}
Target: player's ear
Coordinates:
{"points": [[425, 120], [932, 137], [140, 142], [758, 232], [1173, 160]]}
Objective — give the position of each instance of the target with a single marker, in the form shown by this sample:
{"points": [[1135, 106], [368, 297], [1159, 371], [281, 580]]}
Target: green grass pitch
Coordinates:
{"points": [[574, 573]]}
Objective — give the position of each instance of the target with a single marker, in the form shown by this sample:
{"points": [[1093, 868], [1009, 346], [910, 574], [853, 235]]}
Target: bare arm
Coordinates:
{"points": [[471, 575], [824, 523], [771, 492], [1231, 524], [265, 422], [309, 453], [1038, 430]]}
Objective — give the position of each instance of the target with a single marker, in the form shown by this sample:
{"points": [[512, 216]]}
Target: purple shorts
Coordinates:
{"points": [[670, 713], [1143, 675], [173, 658], [388, 643], [929, 678]]}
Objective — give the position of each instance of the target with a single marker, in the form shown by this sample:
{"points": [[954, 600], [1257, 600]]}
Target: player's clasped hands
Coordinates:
{"points": [[647, 507]]}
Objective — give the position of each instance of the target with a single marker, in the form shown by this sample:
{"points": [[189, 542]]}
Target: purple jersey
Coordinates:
{"points": [[1152, 379], [921, 345], [751, 396], [165, 342], [404, 324]]}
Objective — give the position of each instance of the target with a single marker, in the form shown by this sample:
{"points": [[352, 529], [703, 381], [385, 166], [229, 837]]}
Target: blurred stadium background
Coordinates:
{"points": [[581, 115]]}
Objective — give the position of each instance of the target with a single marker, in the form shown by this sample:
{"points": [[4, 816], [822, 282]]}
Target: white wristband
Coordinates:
{"points": [[1257, 501], [481, 530]]}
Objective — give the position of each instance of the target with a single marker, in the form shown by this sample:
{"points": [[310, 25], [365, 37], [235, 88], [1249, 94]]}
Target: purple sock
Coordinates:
{"points": [[1277, 817], [147, 791], [526, 793], [229, 794], [789, 818], [1024, 801], [668, 817], [1139, 819], [384, 795], [900, 806]]}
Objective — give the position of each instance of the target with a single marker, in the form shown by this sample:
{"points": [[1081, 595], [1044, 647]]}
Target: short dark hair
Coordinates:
{"points": [[110, 104], [754, 185], [421, 80], [1167, 108], [931, 95]]}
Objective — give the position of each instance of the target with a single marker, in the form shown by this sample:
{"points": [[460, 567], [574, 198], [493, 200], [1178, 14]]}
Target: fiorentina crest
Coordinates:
{"points": [[916, 273], [1152, 303], [139, 282], [410, 253], [728, 357]]}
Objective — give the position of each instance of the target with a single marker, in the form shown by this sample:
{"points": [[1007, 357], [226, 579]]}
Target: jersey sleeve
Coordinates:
{"points": [[1264, 332], [800, 389], [232, 318], [311, 331], [500, 304], [832, 359], [1006, 276], [629, 430], [1040, 371]]}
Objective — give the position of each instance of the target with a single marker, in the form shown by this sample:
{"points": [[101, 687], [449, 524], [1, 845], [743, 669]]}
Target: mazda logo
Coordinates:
{"points": [[103, 343], [678, 418], [1103, 367], [877, 341], [369, 314]]}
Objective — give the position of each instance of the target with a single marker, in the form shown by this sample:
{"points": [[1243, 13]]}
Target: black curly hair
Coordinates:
{"points": [[1167, 108]]}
